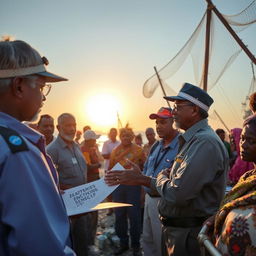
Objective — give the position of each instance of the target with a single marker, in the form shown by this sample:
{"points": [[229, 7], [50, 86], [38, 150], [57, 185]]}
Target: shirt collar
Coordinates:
{"points": [[12, 123], [62, 142], [189, 133], [172, 144]]}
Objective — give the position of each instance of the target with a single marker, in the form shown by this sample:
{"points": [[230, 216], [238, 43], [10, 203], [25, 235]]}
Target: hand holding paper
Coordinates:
{"points": [[85, 197]]}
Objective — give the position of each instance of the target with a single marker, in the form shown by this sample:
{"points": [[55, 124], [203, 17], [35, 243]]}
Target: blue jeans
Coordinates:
{"points": [[130, 195]]}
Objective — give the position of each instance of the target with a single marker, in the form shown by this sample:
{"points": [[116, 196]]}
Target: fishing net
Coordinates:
{"points": [[220, 41], [243, 19]]}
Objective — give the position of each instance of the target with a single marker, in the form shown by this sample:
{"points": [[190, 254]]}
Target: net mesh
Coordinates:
{"points": [[220, 41]]}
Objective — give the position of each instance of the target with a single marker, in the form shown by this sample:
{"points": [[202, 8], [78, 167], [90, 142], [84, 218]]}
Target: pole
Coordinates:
{"points": [[205, 241], [232, 32], [207, 46], [160, 82], [221, 120]]}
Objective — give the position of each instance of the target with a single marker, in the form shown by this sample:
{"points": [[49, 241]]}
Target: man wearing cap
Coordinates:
{"points": [[33, 218], [194, 187], [161, 156], [72, 170]]}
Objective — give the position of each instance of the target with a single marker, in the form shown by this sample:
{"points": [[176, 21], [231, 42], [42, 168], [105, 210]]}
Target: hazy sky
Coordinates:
{"points": [[107, 49]]}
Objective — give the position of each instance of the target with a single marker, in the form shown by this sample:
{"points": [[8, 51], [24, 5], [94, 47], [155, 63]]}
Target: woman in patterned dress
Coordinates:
{"points": [[235, 222]]}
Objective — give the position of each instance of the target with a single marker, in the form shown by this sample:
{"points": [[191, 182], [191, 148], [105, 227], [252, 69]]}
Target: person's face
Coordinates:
{"points": [[222, 135], [164, 127], [183, 114], [112, 135], [150, 136], [46, 127], [138, 141], [126, 138], [78, 135], [67, 128], [248, 144], [91, 143], [33, 97]]}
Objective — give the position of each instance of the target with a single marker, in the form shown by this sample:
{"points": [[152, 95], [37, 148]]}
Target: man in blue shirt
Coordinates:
{"points": [[161, 156], [33, 219]]}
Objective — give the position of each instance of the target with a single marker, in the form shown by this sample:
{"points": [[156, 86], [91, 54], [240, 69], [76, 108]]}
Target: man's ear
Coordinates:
{"points": [[195, 110], [17, 87], [58, 127]]}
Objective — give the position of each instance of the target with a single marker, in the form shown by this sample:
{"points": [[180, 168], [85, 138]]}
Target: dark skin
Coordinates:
{"points": [[247, 153], [25, 100], [134, 176], [185, 114], [46, 127], [91, 143]]}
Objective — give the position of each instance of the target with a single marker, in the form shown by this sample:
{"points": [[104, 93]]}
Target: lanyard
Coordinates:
{"points": [[158, 160]]}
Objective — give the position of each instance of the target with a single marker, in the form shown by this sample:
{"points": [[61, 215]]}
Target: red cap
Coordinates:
{"points": [[162, 113]]}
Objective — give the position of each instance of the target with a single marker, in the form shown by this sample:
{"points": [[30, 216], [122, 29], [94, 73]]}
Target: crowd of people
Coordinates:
{"points": [[175, 183]]}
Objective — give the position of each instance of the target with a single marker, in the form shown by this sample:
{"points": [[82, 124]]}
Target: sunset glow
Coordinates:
{"points": [[102, 110]]}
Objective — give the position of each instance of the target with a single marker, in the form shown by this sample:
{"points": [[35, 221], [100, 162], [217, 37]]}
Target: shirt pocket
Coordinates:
{"points": [[67, 170]]}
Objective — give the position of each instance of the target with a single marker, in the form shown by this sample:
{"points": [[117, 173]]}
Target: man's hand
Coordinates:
{"points": [[165, 172], [131, 176]]}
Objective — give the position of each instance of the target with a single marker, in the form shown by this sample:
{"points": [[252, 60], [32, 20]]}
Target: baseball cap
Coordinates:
{"points": [[32, 70], [90, 135], [162, 113]]}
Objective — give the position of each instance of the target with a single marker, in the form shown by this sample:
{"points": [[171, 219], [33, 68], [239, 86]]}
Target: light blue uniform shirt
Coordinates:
{"points": [[160, 158], [33, 220]]}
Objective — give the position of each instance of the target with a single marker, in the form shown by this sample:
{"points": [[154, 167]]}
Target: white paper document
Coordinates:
{"points": [[85, 198]]}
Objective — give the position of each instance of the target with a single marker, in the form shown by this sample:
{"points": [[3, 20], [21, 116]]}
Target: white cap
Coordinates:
{"points": [[90, 135]]}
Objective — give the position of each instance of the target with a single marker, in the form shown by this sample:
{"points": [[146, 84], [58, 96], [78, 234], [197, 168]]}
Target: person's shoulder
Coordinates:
{"points": [[207, 134], [53, 145], [137, 147], [11, 143], [4, 150]]}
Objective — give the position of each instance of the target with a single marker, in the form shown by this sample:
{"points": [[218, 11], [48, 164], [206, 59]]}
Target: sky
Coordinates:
{"points": [[108, 48]]}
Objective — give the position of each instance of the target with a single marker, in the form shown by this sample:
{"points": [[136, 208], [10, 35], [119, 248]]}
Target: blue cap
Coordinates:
{"points": [[193, 94]]}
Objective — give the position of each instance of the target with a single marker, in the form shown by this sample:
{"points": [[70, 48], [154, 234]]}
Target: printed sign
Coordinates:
{"points": [[84, 198]]}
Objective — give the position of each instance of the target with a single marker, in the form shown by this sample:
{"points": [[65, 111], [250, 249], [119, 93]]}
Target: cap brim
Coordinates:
{"points": [[97, 136], [173, 98], [50, 77], [155, 116]]}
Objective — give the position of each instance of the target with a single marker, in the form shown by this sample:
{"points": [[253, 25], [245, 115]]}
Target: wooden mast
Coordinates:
{"points": [[207, 46], [160, 82], [232, 32]]}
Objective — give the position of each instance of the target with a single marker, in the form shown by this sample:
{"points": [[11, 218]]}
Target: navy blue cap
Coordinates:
{"points": [[193, 94]]}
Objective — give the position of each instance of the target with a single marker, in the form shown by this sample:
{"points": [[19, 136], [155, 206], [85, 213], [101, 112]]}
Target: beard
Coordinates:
{"points": [[176, 125], [67, 137]]}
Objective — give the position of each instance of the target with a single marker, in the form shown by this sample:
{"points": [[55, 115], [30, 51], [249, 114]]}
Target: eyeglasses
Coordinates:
{"points": [[178, 107], [44, 88]]}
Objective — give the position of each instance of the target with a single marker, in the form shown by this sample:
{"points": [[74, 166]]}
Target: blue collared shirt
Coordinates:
{"points": [[33, 219], [160, 158]]}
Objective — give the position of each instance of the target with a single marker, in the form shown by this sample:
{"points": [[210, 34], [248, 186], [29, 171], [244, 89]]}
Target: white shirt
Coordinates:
{"points": [[107, 148]]}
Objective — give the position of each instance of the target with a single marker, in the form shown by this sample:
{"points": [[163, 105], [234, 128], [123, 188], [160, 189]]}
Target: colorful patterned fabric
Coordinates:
{"points": [[134, 153], [235, 223]]}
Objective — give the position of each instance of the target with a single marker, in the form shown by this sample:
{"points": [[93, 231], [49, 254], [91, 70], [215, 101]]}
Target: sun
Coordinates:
{"points": [[101, 109]]}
